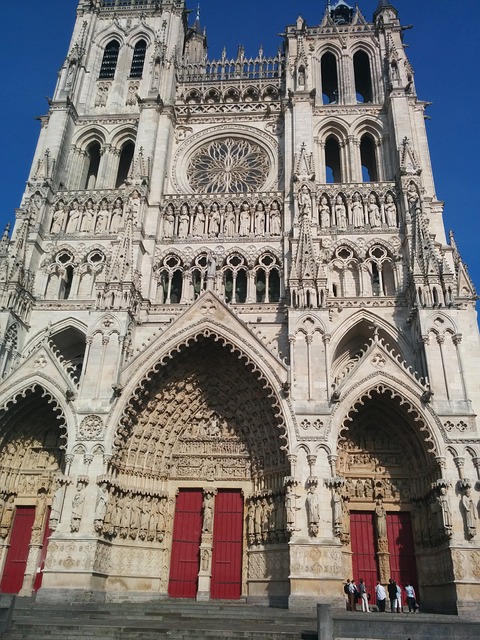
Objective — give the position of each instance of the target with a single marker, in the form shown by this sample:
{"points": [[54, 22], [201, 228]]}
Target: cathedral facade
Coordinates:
{"points": [[239, 356]]}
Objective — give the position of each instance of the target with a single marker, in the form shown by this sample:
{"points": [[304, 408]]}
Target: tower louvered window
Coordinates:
{"points": [[138, 60], [110, 58]]}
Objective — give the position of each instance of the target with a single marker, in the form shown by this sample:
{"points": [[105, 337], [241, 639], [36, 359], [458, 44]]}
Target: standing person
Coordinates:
{"points": [[411, 599], [346, 591], [398, 607], [362, 589], [381, 596], [392, 593], [352, 592]]}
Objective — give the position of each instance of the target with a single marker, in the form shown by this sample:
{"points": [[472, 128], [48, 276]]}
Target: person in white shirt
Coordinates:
{"points": [[381, 595]]}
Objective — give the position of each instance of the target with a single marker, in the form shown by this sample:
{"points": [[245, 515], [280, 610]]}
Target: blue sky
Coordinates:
{"points": [[443, 48]]}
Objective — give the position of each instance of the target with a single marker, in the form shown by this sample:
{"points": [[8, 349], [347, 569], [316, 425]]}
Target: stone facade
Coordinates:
{"points": [[233, 274]]}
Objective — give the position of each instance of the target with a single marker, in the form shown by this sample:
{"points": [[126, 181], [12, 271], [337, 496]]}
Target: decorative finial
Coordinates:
{"points": [[197, 19]]}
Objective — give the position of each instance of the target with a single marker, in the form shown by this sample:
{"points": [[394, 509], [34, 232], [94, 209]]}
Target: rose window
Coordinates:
{"points": [[229, 165]]}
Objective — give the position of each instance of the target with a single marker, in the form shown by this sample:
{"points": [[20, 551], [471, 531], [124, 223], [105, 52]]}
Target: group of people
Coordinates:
{"points": [[358, 593]]}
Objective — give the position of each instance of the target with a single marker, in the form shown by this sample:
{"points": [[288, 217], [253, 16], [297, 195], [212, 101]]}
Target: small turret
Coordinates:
{"points": [[385, 12], [341, 13], [196, 41]]}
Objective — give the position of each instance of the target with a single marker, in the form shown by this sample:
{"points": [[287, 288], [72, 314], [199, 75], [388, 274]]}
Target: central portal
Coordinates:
{"points": [[205, 564]]}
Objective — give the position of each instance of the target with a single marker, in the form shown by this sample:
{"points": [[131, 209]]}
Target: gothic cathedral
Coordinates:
{"points": [[239, 356]]}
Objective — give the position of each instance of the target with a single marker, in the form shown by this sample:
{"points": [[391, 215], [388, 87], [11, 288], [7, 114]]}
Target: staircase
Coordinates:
{"points": [[172, 620]]}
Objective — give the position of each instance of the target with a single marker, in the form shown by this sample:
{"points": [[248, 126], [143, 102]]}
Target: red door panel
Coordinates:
{"points": [[400, 545], [43, 554], [364, 559], [17, 555], [187, 533], [227, 546]]}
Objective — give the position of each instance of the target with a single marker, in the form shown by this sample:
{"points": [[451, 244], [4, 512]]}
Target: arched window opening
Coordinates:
{"points": [[199, 283], [71, 344], [368, 159], [274, 285], [93, 164], [375, 280], [260, 285], [110, 59], [138, 60], [329, 79], [176, 287], [332, 161], [241, 288], [228, 285], [126, 157], [66, 283], [363, 77], [435, 297]]}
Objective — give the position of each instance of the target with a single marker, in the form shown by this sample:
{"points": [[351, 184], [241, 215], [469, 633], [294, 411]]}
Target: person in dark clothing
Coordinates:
{"points": [[392, 593]]}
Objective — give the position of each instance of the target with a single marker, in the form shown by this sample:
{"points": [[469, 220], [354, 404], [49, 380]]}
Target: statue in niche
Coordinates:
{"points": [[55, 509], [134, 204], [125, 513], [245, 219], [381, 520], [168, 221], [183, 221], [290, 508], [337, 511], [117, 215], [73, 218], [230, 219], [199, 221], [214, 220], [100, 507], [413, 198], [390, 211], [313, 510], [7, 517], [470, 513], [374, 217], [206, 556], [275, 219], [57, 218], [324, 213], [78, 504], [260, 219], [445, 513], [251, 522], [357, 211], [88, 218], [134, 517], [101, 223], [340, 213], [305, 202]]}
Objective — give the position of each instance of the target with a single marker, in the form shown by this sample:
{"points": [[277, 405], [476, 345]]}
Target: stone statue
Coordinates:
{"points": [[208, 514], [357, 211], [100, 507], [381, 520], [470, 513], [305, 202], [183, 221], [77, 508], [313, 510], [55, 509], [73, 218], [374, 212], [275, 219], [324, 213], [117, 215], [230, 220], [260, 219], [340, 213], [337, 512], [390, 211], [168, 221], [199, 223], [245, 219], [214, 221], [290, 508], [445, 513], [57, 218]]}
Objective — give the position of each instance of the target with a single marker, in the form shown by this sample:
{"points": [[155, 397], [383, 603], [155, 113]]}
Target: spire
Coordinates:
{"points": [[385, 7], [4, 242]]}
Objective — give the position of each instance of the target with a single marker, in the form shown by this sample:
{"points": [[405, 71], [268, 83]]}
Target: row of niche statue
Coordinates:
{"points": [[228, 221], [354, 212], [106, 216]]}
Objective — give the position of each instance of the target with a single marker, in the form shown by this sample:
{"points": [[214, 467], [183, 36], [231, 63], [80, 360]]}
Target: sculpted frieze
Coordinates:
{"points": [[315, 562]]}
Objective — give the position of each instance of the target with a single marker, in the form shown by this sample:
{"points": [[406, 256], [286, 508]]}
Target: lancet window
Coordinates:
{"points": [[333, 160], [329, 79], [92, 164], [363, 77], [110, 59], [138, 60], [125, 163]]}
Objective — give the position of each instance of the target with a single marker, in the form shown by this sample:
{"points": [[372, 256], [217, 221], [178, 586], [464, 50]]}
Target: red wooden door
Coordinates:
{"points": [[43, 554], [227, 546], [403, 565], [17, 555], [187, 533], [364, 559]]}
